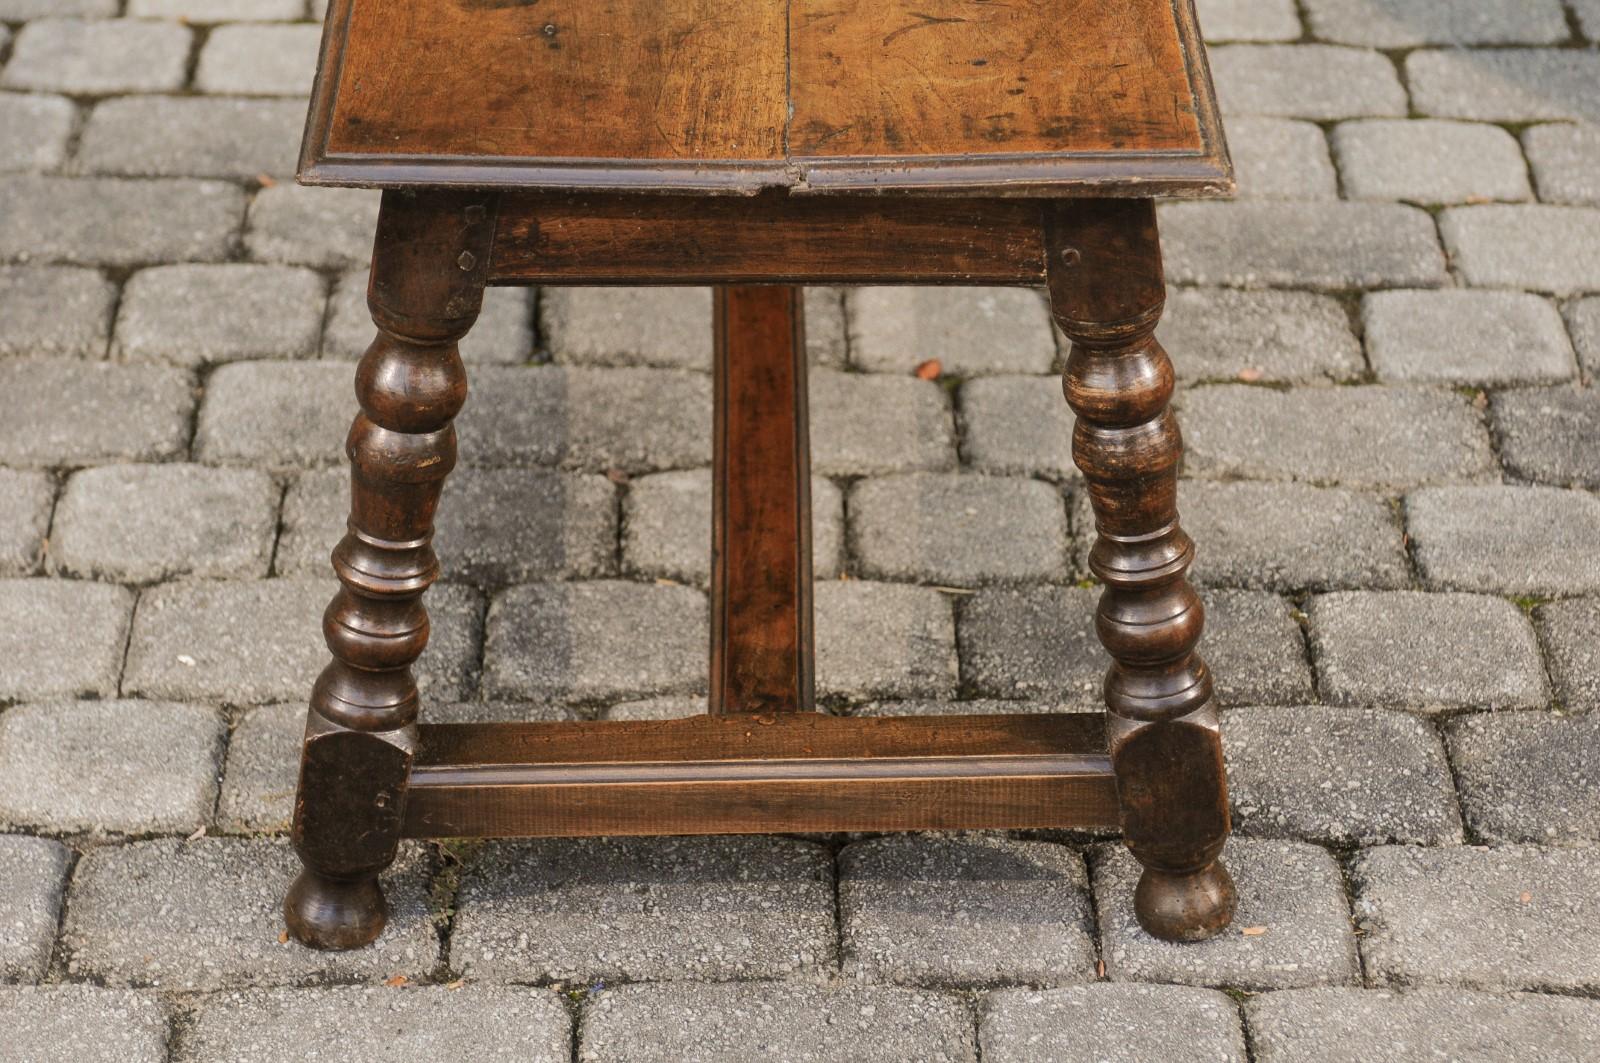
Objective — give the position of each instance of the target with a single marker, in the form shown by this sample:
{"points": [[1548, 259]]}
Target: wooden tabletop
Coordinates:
{"points": [[994, 97]]}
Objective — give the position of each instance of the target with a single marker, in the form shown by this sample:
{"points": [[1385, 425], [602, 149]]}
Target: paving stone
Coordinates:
{"points": [[1583, 318], [134, 767], [827, 342], [1339, 776], [26, 500], [1466, 337], [1516, 917], [258, 60], [1411, 650], [1036, 643], [381, 1025], [668, 327], [1313, 245], [330, 228], [98, 56], [1529, 776], [107, 221], [1110, 1021], [34, 130], [33, 877], [83, 1024], [1376, 1026], [1276, 337], [1354, 436], [276, 414], [1565, 160], [633, 909], [256, 641], [1291, 889], [1248, 20], [1408, 23], [666, 527], [1514, 540], [1317, 81], [208, 915], [142, 523], [1429, 161], [503, 333], [1570, 631], [62, 311], [191, 136], [1279, 158], [943, 910], [972, 707], [1549, 435], [23, 10], [969, 331], [61, 638], [681, 1022], [1292, 536], [263, 761], [670, 708], [1506, 84], [1548, 249], [1255, 649], [76, 413], [958, 529], [864, 424], [203, 11], [1588, 13], [883, 640], [607, 639], [1017, 426], [191, 315]]}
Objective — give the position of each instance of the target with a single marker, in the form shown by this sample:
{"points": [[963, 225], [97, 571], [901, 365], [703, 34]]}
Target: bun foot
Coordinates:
{"points": [[327, 913], [1187, 907]]}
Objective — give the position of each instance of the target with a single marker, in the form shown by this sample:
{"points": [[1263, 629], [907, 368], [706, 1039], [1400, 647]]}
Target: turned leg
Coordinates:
{"points": [[1107, 291], [428, 270]]}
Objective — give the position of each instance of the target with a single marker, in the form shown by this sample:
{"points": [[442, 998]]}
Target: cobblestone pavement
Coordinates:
{"points": [[1385, 345]]}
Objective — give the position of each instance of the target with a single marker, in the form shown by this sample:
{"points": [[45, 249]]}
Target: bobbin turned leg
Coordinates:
{"points": [[1107, 291], [428, 270]]}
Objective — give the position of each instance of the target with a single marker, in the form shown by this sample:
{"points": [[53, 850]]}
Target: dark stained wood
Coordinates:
{"points": [[1035, 97], [761, 641], [1107, 293], [768, 239]]}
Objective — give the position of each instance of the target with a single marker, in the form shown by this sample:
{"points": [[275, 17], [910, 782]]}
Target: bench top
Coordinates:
{"points": [[988, 97]]}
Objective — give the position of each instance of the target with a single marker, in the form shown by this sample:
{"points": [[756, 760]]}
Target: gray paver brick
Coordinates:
{"points": [[1291, 889], [1289, 337], [61, 638], [1506, 84], [970, 331], [1545, 248], [1466, 337], [23, 10], [1379, 1026], [1248, 20], [1425, 652], [63, 311], [325, 227], [259, 60], [1429, 161], [1017, 425], [1570, 631], [1583, 318], [1588, 12], [1516, 917], [1395, 24], [1354, 436], [669, 708], [34, 129], [1338, 776], [713, 908], [134, 767], [190, 315], [33, 877], [1110, 1021], [958, 529], [1255, 649], [76, 413], [25, 503], [108, 221], [973, 707], [208, 914], [964, 911], [276, 414], [865, 424], [883, 640], [1292, 536], [604, 640], [1315, 245], [263, 762], [83, 1024], [96, 56], [141, 523], [1032, 642], [204, 11], [1514, 540], [382, 1025], [1529, 776], [503, 333], [1280, 158], [667, 327], [682, 1022], [191, 136], [255, 641], [1565, 160], [1317, 81], [1549, 435]]}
